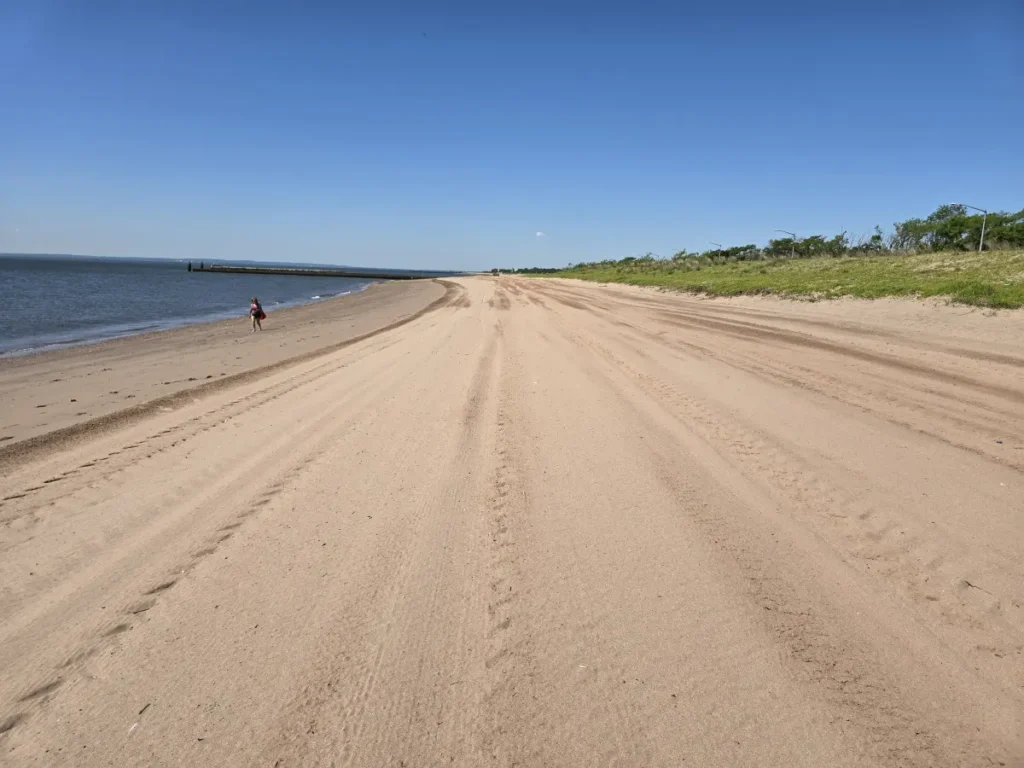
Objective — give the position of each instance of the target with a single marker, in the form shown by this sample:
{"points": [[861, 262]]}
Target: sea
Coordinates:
{"points": [[48, 302]]}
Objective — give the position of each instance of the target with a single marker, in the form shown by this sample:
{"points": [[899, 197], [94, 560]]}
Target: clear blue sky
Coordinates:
{"points": [[397, 135]]}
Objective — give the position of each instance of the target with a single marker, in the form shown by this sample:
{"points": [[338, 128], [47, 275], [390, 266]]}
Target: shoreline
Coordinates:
{"points": [[52, 398], [163, 326]]}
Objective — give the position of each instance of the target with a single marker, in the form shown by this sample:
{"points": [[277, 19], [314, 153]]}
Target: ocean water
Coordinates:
{"points": [[54, 301]]}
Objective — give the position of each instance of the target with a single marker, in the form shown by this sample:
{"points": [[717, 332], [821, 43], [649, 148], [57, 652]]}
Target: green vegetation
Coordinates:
{"points": [[935, 256], [992, 279]]}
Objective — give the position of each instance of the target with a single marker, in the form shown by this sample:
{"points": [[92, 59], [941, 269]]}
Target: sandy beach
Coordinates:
{"points": [[520, 522], [82, 389]]}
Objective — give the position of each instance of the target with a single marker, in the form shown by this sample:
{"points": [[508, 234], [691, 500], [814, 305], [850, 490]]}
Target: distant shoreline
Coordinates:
{"points": [[184, 261]]}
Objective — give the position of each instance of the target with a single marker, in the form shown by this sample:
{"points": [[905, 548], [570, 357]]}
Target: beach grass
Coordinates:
{"points": [[989, 279]]}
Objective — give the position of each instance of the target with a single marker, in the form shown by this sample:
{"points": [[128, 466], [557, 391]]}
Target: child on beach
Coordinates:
{"points": [[257, 314]]}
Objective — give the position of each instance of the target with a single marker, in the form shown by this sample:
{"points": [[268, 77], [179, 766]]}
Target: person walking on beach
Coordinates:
{"points": [[257, 314]]}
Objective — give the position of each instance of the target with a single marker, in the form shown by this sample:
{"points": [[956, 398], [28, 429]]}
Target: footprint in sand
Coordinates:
{"points": [[142, 607], [42, 690], [162, 587], [11, 722]]}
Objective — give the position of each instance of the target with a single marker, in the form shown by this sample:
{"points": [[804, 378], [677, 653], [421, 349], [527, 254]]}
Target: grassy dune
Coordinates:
{"points": [[991, 279]]}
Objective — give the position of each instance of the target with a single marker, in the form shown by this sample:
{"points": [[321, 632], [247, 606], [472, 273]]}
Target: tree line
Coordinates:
{"points": [[948, 228]]}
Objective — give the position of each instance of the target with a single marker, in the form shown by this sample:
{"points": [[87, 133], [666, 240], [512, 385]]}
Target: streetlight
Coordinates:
{"points": [[984, 219], [714, 243], [792, 247]]}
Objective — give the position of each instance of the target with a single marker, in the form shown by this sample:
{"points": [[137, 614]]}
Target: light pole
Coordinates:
{"points": [[984, 220], [792, 247], [714, 243]]}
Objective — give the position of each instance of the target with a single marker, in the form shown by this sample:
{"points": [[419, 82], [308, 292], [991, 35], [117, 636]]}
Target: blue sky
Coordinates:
{"points": [[393, 134]]}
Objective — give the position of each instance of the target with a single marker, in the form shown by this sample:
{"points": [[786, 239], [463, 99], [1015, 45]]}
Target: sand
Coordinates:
{"points": [[540, 523], [62, 394]]}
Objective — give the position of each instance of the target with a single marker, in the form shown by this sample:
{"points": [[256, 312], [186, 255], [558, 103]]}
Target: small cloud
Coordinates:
{"points": [[541, 234]]}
